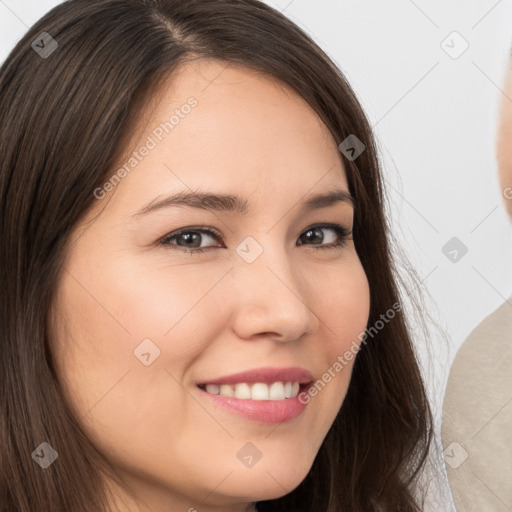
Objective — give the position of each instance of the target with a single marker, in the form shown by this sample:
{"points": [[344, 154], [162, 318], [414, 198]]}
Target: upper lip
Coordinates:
{"points": [[266, 375]]}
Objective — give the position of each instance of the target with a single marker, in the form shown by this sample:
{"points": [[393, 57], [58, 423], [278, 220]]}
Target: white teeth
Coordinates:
{"points": [[226, 390], [258, 391], [213, 389], [242, 391], [276, 391]]}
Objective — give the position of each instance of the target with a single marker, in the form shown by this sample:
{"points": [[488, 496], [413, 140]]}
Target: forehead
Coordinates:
{"points": [[247, 131]]}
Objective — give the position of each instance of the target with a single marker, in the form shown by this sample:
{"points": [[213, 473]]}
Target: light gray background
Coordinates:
{"points": [[435, 118]]}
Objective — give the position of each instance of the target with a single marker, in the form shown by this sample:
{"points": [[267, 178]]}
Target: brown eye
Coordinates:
{"points": [[315, 234], [189, 239]]}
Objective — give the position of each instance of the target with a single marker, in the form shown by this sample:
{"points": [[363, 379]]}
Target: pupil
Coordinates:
{"points": [[317, 232], [189, 237]]}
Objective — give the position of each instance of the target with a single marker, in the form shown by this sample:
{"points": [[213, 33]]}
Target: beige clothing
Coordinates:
{"points": [[477, 417]]}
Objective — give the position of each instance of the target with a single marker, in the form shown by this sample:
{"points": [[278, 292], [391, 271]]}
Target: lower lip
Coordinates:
{"points": [[264, 411]]}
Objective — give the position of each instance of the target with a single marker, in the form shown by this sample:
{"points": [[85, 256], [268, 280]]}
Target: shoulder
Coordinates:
{"points": [[477, 415]]}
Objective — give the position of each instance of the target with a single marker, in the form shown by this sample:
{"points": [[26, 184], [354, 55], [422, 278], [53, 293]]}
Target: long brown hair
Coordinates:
{"points": [[64, 114]]}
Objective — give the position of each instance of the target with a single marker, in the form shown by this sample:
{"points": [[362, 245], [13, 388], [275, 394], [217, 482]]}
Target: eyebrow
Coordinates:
{"points": [[236, 204]]}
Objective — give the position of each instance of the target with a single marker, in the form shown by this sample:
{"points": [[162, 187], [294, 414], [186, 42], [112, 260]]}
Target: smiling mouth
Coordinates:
{"points": [[257, 391]]}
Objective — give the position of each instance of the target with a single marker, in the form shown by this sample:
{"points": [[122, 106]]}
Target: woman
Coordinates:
{"points": [[144, 370]]}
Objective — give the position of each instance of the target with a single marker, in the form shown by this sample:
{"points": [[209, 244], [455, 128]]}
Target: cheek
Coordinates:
{"points": [[106, 311], [343, 305], [344, 309], [120, 303], [124, 405]]}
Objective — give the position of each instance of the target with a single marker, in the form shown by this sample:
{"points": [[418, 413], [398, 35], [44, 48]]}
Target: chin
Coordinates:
{"points": [[268, 481]]}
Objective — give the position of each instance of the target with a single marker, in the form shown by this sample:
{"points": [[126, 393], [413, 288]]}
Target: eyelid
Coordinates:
{"points": [[202, 229]]}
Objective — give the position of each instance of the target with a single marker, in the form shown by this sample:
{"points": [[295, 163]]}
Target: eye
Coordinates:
{"points": [[191, 237], [314, 233]]}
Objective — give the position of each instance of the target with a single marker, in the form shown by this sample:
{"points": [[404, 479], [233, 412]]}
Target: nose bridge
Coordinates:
{"points": [[269, 296]]}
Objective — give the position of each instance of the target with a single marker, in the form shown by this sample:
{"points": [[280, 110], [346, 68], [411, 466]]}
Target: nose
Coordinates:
{"points": [[270, 298]]}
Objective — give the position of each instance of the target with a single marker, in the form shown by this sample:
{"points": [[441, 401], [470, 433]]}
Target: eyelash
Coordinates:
{"points": [[342, 233]]}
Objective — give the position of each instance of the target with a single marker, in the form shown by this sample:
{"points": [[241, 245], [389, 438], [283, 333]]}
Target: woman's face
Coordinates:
{"points": [[141, 321]]}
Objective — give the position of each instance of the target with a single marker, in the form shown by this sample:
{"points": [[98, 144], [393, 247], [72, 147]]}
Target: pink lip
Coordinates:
{"points": [[266, 375], [263, 411]]}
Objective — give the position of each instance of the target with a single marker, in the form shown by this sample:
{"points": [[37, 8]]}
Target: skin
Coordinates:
{"points": [[211, 314], [504, 148]]}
